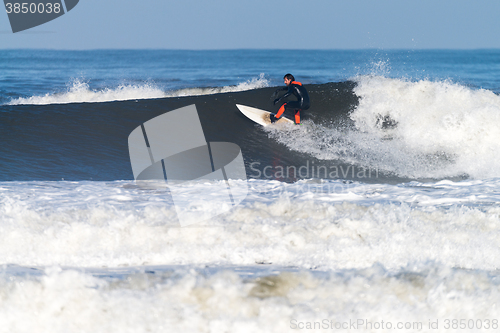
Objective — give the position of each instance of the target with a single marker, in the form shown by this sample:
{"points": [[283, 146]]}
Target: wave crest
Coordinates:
{"points": [[79, 91]]}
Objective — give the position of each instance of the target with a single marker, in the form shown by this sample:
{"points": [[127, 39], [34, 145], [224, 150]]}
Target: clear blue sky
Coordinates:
{"points": [[275, 24]]}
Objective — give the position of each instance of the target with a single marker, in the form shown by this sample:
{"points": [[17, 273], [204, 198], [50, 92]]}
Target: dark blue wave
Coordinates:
{"points": [[89, 141]]}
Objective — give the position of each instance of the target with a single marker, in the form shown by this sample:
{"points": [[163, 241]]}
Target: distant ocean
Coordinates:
{"points": [[380, 213]]}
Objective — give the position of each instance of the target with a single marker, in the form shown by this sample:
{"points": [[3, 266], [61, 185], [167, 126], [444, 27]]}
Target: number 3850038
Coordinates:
{"points": [[33, 8]]}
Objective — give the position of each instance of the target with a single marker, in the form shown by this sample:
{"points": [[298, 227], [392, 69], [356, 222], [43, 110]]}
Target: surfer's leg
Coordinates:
{"points": [[281, 110], [289, 107], [297, 116]]}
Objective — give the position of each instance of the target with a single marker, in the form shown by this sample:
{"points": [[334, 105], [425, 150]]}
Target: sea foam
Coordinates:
{"points": [[330, 225], [422, 129], [192, 299]]}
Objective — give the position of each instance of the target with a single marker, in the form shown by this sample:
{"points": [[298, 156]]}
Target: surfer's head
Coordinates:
{"points": [[288, 79]]}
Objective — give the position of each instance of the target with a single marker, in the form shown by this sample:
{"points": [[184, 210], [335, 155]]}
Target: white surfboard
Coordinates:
{"points": [[261, 117]]}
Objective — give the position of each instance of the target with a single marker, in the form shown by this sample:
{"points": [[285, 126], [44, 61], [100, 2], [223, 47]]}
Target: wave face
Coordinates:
{"points": [[88, 141], [372, 129]]}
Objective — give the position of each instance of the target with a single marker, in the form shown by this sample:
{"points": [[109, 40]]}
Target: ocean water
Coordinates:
{"points": [[380, 213]]}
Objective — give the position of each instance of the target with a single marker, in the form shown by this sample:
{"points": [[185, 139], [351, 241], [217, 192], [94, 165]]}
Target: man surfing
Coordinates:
{"points": [[302, 102]]}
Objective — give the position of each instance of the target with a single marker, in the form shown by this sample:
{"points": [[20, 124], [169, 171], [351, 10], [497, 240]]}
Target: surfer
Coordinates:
{"points": [[302, 102]]}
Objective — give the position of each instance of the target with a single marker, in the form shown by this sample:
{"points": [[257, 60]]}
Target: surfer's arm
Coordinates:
{"points": [[288, 93]]}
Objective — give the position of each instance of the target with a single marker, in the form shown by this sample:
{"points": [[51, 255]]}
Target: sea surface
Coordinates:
{"points": [[379, 213]]}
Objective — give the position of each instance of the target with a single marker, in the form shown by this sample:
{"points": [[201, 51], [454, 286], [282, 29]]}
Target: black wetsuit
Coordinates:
{"points": [[302, 102], [298, 90]]}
